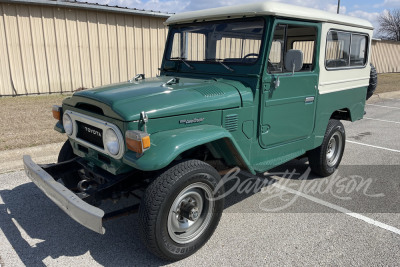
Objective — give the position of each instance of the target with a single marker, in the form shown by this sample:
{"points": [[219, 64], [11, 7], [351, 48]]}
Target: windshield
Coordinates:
{"points": [[236, 41]]}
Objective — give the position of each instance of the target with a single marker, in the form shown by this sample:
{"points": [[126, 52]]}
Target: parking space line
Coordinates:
{"points": [[340, 209], [382, 106], [397, 122], [379, 147]]}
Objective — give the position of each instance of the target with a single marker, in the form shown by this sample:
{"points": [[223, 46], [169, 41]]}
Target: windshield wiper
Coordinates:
{"points": [[219, 60], [184, 62]]}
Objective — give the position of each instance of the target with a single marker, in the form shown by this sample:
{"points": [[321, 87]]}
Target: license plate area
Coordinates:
{"points": [[90, 134]]}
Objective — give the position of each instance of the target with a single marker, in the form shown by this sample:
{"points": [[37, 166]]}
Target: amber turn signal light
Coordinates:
{"points": [[137, 141], [57, 112]]}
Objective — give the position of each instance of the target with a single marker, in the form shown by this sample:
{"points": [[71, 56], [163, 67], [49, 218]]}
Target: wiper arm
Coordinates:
{"points": [[184, 62], [220, 62]]}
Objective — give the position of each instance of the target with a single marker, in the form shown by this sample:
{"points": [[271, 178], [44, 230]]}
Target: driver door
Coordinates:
{"points": [[288, 110]]}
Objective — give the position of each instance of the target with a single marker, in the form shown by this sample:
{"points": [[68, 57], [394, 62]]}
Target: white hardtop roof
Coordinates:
{"points": [[268, 8]]}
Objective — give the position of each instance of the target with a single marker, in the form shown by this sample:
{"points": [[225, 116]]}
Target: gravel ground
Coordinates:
{"points": [[350, 218], [388, 82], [27, 121]]}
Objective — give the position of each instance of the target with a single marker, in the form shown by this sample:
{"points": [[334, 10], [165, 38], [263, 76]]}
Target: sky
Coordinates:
{"points": [[366, 9]]}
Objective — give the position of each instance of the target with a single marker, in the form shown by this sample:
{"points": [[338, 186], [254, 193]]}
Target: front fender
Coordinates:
{"points": [[167, 145]]}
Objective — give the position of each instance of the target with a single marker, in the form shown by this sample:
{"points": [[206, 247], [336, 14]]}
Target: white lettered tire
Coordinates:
{"points": [[181, 209]]}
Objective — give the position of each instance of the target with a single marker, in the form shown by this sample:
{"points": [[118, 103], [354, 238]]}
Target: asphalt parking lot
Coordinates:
{"points": [[350, 218]]}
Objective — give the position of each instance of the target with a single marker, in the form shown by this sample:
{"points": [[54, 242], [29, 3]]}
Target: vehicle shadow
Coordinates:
{"points": [[37, 229], [297, 169]]}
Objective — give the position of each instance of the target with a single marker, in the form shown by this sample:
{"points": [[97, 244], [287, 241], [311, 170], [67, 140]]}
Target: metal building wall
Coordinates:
{"points": [[52, 49], [386, 56]]}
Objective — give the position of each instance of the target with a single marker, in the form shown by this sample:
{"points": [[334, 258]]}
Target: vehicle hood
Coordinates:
{"points": [[158, 99]]}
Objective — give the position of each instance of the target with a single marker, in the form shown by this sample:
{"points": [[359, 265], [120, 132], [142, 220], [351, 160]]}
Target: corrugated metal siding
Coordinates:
{"points": [[386, 56], [50, 49]]}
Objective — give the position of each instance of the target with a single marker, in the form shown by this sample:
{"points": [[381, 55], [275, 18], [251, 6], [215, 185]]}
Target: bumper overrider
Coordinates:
{"points": [[85, 214]]}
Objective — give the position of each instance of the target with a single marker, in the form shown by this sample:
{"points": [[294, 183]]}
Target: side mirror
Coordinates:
{"points": [[294, 60]]}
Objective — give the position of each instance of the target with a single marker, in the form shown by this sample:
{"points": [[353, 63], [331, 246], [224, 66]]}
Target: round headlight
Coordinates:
{"points": [[67, 123], [112, 142]]}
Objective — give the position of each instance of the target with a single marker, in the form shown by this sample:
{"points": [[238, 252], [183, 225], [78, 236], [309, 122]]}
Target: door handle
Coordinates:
{"points": [[309, 99]]}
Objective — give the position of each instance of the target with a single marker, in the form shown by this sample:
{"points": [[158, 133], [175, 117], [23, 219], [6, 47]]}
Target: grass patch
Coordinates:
{"points": [[388, 82], [27, 121]]}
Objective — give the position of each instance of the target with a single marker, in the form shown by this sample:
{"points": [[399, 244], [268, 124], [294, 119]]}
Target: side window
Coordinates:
{"points": [[275, 58], [308, 50], [345, 49], [358, 50], [288, 37], [337, 49]]}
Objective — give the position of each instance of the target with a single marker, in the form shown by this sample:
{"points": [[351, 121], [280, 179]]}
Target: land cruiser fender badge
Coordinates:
{"points": [[195, 120]]}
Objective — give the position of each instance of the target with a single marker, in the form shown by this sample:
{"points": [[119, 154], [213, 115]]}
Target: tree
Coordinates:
{"points": [[389, 24]]}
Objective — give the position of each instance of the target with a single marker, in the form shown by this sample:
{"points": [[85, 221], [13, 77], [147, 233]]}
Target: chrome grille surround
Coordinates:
{"points": [[75, 116]]}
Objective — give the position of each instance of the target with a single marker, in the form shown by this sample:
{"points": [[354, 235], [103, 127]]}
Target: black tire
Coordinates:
{"points": [[67, 153], [325, 159], [161, 209], [373, 82]]}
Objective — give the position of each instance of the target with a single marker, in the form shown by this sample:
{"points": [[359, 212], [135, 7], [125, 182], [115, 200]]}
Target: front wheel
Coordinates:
{"points": [[181, 209], [325, 159]]}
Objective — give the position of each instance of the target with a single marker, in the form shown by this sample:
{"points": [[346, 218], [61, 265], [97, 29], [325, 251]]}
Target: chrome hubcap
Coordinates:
{"points": [[334, 149], [190, 213]]}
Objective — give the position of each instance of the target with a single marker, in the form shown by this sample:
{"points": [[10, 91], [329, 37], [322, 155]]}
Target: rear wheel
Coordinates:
{"points": [[325, 159], [179, 211], [67, 153]]}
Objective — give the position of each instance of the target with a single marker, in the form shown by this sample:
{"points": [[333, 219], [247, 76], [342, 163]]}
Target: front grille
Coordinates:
{"points": [[89, 131], [90, 134]]}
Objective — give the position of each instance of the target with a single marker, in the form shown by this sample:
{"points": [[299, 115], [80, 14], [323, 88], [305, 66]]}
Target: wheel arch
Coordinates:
{"points": [[342, 114], [346, 113], [167, 146]]}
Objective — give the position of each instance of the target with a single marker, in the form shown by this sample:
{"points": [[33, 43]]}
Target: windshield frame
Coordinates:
{"points": [[170, 39]]}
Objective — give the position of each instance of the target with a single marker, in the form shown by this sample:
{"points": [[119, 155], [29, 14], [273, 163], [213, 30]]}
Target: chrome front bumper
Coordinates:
{"points": [[85, 214]]}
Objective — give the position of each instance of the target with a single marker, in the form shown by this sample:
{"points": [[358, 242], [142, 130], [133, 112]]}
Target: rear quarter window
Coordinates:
{"points": [[345, 50]]}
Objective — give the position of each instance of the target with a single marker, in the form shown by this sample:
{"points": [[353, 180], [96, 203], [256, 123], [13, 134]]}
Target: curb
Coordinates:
{"points": [[383, 96], [11, 160]]}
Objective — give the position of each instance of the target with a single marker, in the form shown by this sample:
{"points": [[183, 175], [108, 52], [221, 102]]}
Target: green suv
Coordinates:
{"points": [[252, 86]]}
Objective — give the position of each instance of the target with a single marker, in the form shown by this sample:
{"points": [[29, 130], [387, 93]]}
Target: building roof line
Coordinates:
{"points": [[91, 6]]}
